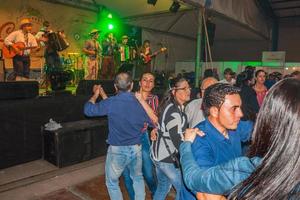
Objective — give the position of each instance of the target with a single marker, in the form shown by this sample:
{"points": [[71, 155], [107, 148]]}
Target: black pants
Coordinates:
{"points": [[21, 66], [52, 60]]}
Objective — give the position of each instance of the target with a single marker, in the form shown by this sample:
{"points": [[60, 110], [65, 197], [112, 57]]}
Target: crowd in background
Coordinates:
{"points": [[198, 143]]}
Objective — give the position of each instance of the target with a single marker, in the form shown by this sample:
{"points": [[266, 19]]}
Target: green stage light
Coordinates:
{"points": [[110, 26], [109, 16]]}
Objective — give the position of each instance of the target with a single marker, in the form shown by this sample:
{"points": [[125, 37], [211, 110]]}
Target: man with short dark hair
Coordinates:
{"points": [[224, 132], [126, 120]]}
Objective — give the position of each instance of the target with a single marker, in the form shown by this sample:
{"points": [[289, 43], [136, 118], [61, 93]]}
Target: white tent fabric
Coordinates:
{"points": [[236, 21], [243, 11]]}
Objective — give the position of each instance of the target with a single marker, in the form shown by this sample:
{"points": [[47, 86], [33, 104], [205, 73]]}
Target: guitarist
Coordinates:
{"points": [[144, 52], [93, 50], [21, 61]]}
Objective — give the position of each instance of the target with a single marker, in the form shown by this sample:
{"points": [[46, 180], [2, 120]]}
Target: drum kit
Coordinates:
{"points": [[71, 70]]}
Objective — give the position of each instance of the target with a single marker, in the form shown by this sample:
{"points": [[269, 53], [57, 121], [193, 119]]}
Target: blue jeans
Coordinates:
{"points": [[117, 159], [167, 175], [147, 169]]}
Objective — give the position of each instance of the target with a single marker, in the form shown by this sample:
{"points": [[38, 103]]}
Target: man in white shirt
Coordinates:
{"points": [[193, 109], [228, 77], [21, 61]]}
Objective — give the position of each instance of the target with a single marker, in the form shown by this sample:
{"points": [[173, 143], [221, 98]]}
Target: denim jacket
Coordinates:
{"points": [[219, 179]]}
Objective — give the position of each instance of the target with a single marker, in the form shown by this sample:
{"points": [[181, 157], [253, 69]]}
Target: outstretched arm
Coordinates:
{"points": [[219, 179], [91, 108]]}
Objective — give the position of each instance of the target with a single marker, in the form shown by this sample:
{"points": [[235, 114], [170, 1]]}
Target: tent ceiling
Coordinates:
{"points": [[286, 8], [185, 23], [182, 23], [137, 7]]}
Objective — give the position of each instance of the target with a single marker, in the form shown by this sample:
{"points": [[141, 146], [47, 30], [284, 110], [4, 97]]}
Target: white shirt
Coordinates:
{"points": [[194, 112], [232, 82], [18, 36]]}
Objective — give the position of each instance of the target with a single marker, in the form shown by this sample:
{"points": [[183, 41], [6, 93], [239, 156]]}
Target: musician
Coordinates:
{"points": [[52, 58], [21, 61], [124, 50], [145, 52], [109, 46], [93, 50]]}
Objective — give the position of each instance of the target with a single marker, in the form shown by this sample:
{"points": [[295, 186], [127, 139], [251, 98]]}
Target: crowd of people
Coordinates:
{"points": [[238, 140]]}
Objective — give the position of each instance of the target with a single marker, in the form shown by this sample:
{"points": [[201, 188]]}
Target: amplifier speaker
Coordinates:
{"points": [[85, 87], [19, 90], [75, 142]]}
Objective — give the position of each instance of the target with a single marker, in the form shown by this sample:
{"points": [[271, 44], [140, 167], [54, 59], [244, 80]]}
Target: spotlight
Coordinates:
{"points": [[153, 2], [174, 7], [110, 26]]}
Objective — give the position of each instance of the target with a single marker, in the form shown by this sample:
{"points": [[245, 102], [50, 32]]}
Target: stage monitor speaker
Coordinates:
{"points": [[85, 87], [2, 70], [19, 90], [75, 142]]}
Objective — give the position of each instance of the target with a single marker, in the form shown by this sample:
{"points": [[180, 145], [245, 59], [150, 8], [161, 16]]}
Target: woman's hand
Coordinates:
{"points": [[191, 133], [153, 134], [102, 92]]}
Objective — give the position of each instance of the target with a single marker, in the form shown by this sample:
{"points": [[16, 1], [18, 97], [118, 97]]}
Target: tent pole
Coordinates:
{"points": [[198, 67]]}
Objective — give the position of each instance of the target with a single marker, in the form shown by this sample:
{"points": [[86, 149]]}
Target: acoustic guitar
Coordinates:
{"points": [[148, 58], [10, 52]]}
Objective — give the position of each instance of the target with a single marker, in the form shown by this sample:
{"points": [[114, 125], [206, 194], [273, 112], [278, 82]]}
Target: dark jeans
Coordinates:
{"points": [[52, 60], [108, 68], [147, 168], [21, 66]]}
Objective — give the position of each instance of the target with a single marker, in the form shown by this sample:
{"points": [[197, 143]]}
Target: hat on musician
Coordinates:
{"points": [[94, 31], [124, 37], [24, 22]]}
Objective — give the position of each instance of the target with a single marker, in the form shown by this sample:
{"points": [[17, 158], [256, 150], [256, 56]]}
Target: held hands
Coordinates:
{"points": [[98, 91], [190, 134]]}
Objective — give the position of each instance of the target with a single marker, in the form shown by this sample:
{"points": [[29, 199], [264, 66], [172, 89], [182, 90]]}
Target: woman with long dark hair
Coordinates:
{"points": [[274, 172], [259, 86], [164, 150]]}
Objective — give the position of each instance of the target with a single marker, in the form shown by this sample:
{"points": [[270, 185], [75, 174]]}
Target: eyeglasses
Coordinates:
{"points": [[185, 89]]}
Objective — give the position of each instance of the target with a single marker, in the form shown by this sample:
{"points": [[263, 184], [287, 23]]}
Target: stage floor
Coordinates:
{"points": [[83, 181]]}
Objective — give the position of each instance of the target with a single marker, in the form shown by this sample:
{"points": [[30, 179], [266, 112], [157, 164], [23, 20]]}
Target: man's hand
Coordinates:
{"points": [[96, 93], [190, 134], [96, 90]]}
